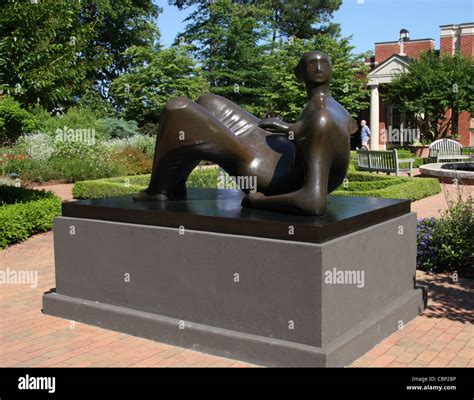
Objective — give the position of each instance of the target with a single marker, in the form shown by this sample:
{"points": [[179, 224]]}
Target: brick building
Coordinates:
{"points": [[392, 58]]}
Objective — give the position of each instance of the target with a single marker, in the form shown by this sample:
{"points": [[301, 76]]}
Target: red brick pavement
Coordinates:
{"points": [[30, 338], [62, 190], [442, 336], [433, 206]]}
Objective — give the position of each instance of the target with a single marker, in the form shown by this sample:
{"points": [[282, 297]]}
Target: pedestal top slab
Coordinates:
{"points": [[219, 210]]}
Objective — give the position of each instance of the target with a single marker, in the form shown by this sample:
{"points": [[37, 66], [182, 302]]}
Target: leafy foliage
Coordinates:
{"points": [[14, 121], [301, 19], [52, 52], [432, 85], [225, 36], [75, 118], [285, 18], [24, 212], [285, 96], [155, 77], [446, 244], [118, 128]]}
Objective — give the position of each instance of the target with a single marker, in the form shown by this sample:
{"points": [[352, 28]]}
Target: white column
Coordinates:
{"points": [[374, 117]]}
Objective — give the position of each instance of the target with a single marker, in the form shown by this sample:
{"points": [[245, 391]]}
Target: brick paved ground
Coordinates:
{"points": [[63, 190], [442, 336], [432, 206], [30, 338]]}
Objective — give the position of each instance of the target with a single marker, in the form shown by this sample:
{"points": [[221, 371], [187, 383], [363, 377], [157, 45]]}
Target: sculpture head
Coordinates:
{"points": [[314, 68]]}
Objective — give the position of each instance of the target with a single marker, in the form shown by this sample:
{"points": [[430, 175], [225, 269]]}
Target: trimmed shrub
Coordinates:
{"points": [[358, 184], [200, 177], [446, 244], [24, 212], [104, 188], [409, 188], [204, 178]]}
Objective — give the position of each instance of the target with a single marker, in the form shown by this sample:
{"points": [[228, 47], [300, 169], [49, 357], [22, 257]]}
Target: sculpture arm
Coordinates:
{"points": [[274, 124]]}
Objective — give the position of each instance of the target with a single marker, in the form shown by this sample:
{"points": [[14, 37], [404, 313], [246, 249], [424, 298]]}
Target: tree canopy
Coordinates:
{"points": [[285, 96], [154, 78], [106, 55], [53, 51], [431, 86]]}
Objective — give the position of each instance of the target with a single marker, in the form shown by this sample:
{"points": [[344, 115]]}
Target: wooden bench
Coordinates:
{"points": [[446, 149], [383, 161]]}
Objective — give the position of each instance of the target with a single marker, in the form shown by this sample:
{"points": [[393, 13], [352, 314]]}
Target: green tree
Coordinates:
{"points": [[301, 19], [155, 76], [226, 37], [52, 51], [286, 18], [431, 86], [285, 97], [249, 49]]}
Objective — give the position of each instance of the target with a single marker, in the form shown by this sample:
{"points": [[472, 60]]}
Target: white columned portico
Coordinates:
{"points": [[374, 116], [382, 74]]}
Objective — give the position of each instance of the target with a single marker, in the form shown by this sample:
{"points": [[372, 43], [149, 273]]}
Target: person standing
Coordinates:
{"points": [[364, 134]]}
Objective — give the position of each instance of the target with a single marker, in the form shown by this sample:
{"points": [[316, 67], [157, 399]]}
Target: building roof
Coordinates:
{"points": [[454, 25], [411, 40], [384, 72]]}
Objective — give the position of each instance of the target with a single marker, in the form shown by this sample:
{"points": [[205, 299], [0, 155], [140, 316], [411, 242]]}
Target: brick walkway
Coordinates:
{"points": [[63, 190], [432, 206], [442, 336], [30, 338]]}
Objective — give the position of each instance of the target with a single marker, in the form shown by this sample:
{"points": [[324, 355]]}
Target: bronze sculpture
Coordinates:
{"points": [[295, 165]]}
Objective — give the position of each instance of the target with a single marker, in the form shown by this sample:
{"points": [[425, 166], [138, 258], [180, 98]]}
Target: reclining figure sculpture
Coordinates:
{"points": [[296, 165]]}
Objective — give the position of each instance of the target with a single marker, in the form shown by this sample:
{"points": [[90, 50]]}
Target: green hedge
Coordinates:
{"points": [[201, 177], [411, 189], [24, 212], [353, 185], [357, 184]]}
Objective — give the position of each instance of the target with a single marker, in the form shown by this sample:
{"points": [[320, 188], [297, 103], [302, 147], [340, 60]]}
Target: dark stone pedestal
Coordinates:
{"points": [[261, 287]]}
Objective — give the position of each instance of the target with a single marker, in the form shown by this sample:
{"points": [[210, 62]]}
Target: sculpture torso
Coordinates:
{"points": [[278, 161]]}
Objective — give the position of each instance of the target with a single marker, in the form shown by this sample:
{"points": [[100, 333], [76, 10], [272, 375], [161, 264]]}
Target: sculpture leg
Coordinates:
{"points": [[311, 199], [188, 134]]}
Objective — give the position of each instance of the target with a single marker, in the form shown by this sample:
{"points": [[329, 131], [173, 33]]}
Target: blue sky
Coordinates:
{"points": [[368, 21]]}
